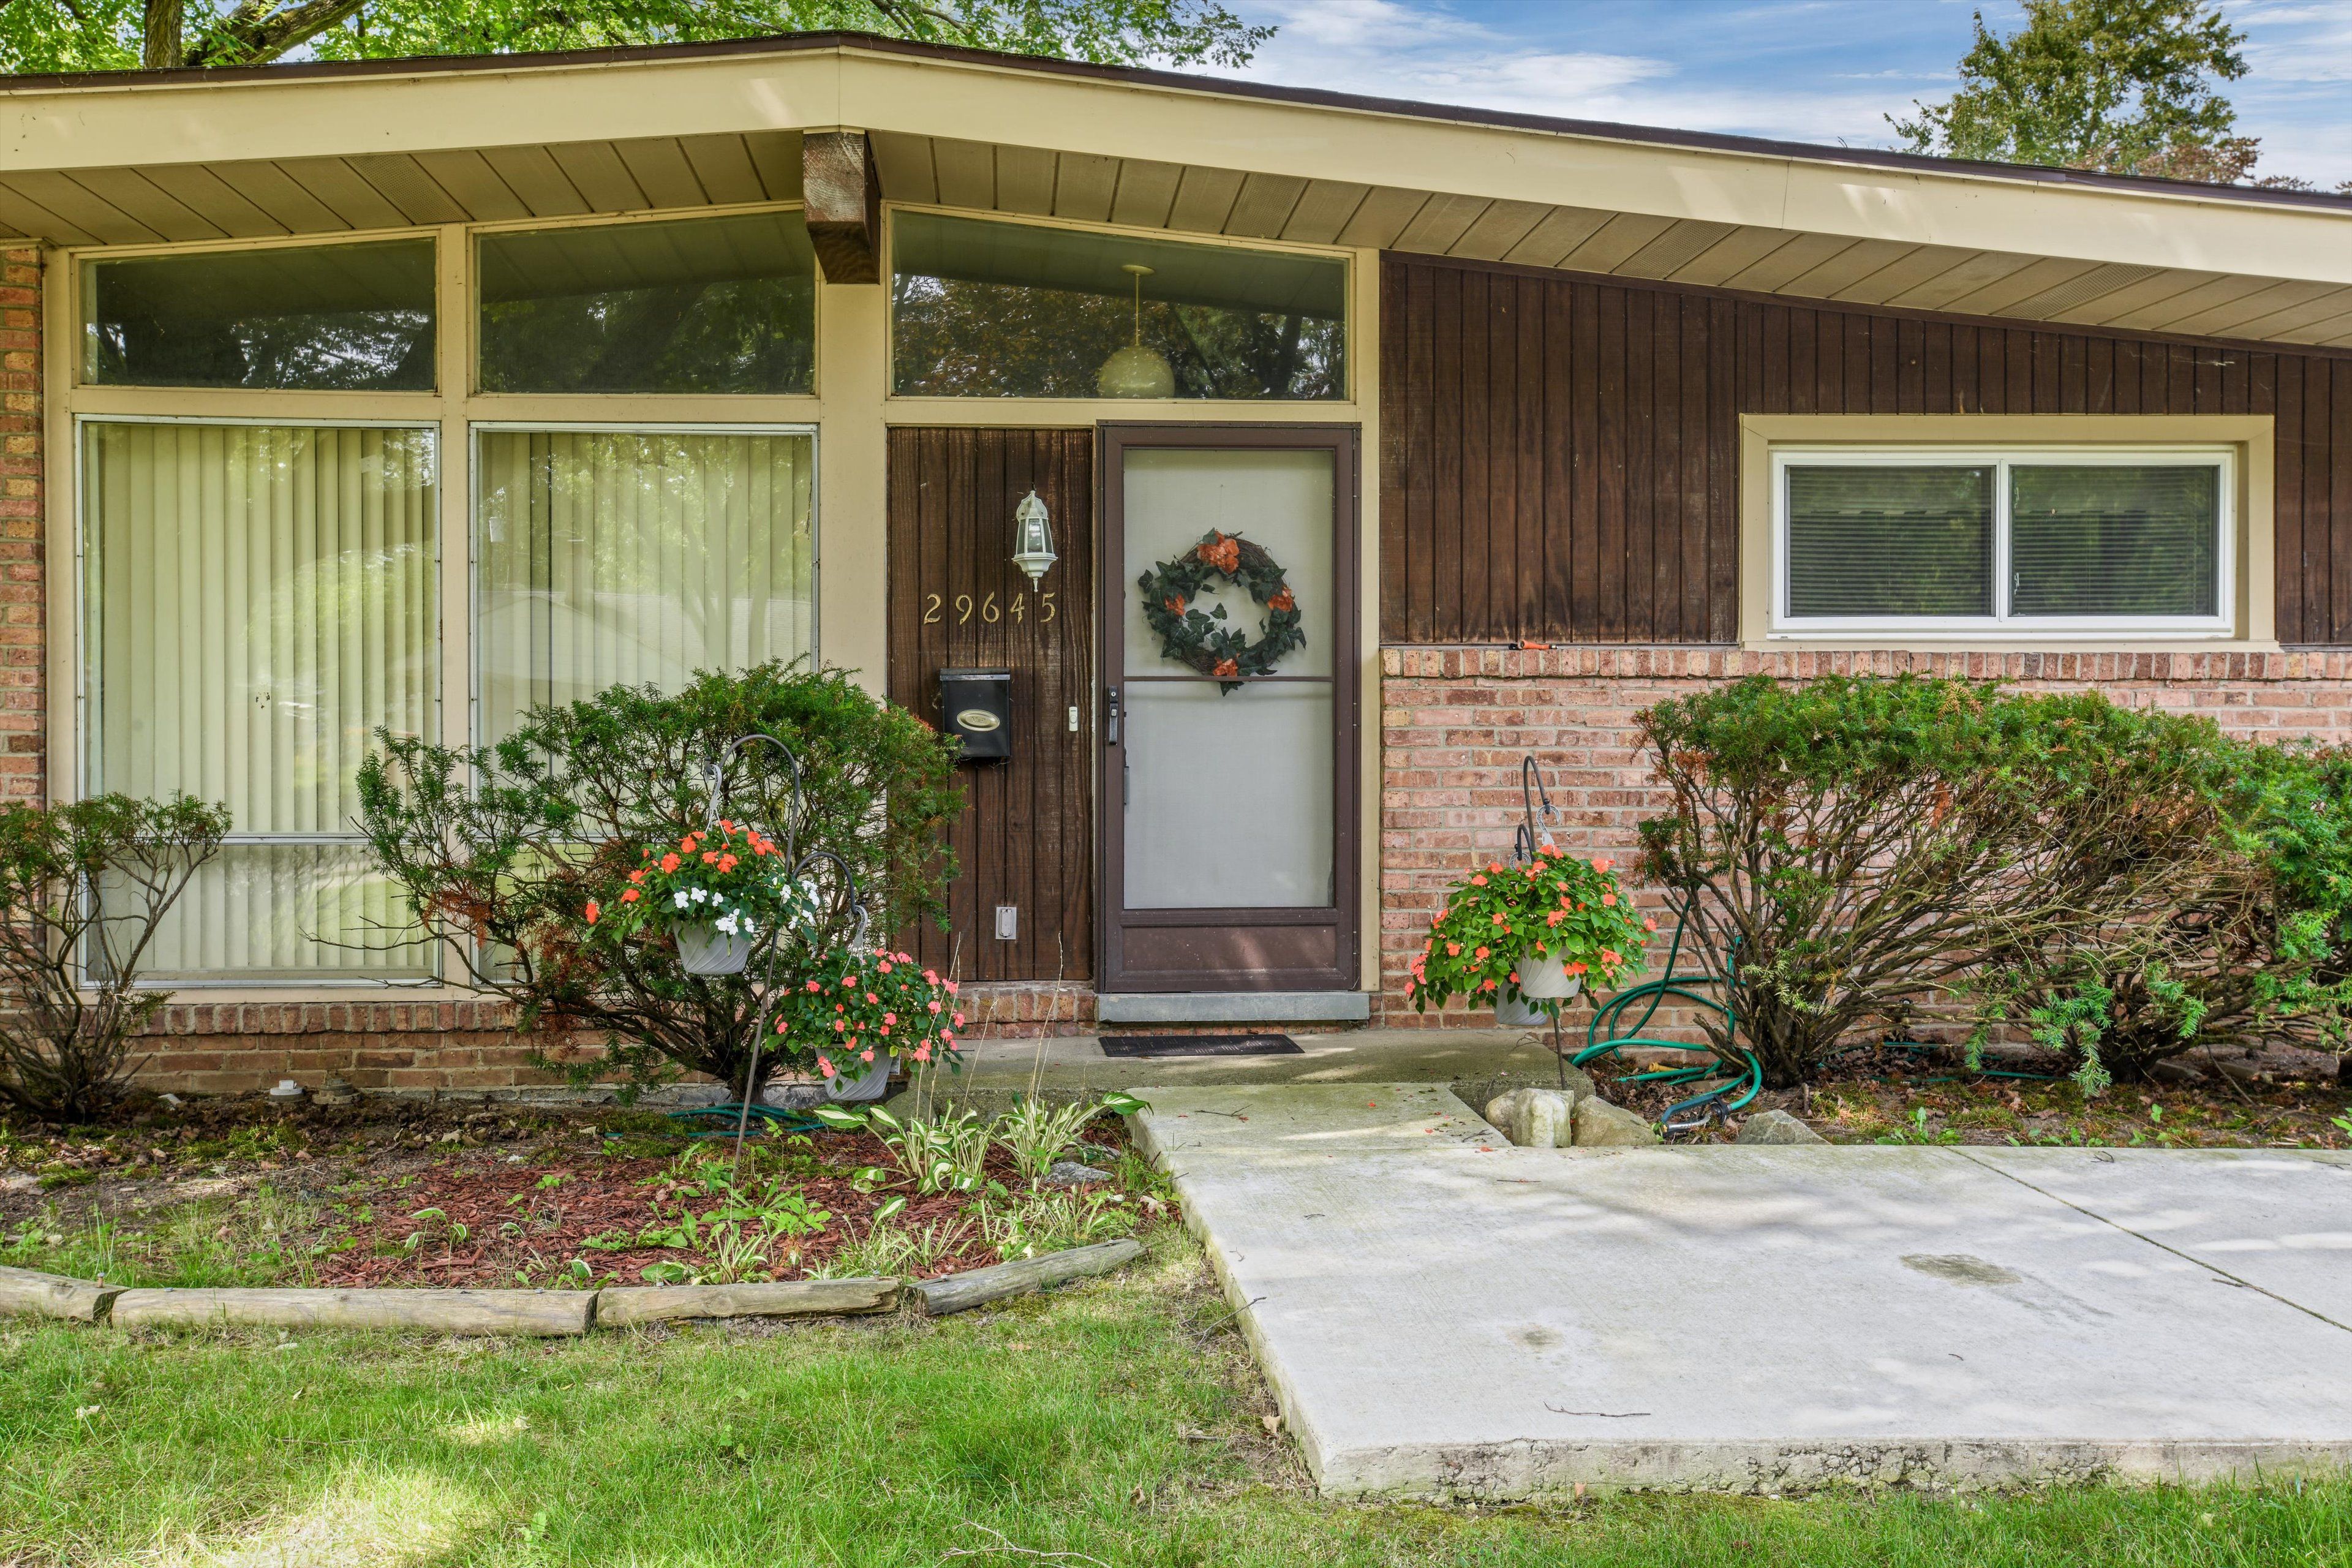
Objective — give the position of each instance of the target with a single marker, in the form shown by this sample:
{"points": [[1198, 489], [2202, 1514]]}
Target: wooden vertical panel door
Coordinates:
{"points": [[956, 601]]}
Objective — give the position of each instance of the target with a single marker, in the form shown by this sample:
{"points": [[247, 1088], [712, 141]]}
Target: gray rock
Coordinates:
{"points": [[1776, 1127], [1534, 1118], [1601, 1125], [1070, 1174]]}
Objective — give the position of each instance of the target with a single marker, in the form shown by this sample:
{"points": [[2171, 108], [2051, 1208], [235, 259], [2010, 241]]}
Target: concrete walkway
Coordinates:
{"points": [[1442, 1314]]}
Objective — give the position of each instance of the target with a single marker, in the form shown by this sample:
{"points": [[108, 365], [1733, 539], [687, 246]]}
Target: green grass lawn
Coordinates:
{"points": [[1120, 1424]]}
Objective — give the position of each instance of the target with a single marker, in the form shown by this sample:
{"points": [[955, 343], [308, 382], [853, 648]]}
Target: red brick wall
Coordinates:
{"points": [[1456, 722], [22, 609]]}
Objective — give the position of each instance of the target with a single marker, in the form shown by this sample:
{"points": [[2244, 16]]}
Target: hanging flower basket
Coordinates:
{"points": [[717, 891], [1531, 933], [850, 1014]]}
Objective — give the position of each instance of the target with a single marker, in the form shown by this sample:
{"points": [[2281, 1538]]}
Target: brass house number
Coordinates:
{"points": [[987, 608]]}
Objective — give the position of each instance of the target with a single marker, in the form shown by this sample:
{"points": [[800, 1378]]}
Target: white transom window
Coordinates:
{"points": [[2103, 541]]}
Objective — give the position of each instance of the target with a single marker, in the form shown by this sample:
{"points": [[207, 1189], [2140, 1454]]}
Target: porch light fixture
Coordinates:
{"points": [[1136, 371], [1033, 537]]}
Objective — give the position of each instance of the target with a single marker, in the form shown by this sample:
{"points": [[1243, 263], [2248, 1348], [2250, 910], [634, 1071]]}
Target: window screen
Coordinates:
{"points": [[2111, 539], [341, 318], [1879, 539], [709, 305], [1004, 309]]}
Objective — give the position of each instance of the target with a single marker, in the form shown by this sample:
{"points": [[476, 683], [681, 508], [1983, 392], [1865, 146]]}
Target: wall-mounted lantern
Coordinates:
{"points": [[1033, 538]]}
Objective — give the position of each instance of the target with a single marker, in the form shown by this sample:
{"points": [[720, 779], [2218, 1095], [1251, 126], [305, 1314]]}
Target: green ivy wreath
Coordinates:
{"points": [[1197, 638]]}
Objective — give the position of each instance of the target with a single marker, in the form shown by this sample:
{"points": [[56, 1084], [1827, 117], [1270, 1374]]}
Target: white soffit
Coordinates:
{"points": [[257, 157]]}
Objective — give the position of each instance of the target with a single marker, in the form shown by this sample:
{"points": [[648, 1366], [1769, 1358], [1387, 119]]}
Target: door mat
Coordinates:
{"points": [[1199, 1045]]}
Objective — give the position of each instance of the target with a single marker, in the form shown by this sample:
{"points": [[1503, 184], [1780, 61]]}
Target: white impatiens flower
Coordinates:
{"points": [[678, 898], [701, 896], [728, 923]]}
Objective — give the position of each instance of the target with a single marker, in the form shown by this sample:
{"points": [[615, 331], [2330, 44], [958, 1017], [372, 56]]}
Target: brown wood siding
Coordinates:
{"points": [[1026, 836], [1560, 454]]}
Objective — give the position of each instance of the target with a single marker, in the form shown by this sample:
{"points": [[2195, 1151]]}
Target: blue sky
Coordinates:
{"points": [[1809, 70]]}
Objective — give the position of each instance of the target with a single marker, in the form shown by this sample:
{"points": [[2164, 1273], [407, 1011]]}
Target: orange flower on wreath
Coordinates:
{"points": [[1174, 603], [1222, 550], [1226, 667], [1281, 600]]}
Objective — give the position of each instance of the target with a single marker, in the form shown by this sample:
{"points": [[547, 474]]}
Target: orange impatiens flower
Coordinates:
{"points": [[670, 862], [591, 912], [630, 895]]}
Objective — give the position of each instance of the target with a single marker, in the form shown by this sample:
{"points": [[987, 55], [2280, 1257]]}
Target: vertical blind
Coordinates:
{"points": [[259, 600], [637, 556]]}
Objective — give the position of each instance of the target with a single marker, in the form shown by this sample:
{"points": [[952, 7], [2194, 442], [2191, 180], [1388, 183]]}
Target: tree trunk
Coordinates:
{"points": [[164, 45]]}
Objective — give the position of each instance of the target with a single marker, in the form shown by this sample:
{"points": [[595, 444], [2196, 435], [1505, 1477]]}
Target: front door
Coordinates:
{"points": [[1229, 725]]}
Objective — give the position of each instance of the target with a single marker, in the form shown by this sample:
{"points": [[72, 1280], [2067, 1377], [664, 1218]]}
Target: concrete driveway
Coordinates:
{"points": [[1442, 1314]]}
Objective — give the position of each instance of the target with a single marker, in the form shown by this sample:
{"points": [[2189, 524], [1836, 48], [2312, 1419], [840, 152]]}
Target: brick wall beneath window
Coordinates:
{"points": [[1456, 722], [22, 608]]}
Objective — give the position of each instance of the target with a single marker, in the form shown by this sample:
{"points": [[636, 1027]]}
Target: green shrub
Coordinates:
{"points": [[2255, 942], [501, 849], [1851, 850], [83, 887]]}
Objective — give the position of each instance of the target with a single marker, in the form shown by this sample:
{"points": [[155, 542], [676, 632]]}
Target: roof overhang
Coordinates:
{"points": [[121, 159]]}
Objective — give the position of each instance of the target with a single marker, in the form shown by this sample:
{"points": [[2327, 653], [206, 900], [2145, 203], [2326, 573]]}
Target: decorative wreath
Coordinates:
{"points": [[1199, 638]]}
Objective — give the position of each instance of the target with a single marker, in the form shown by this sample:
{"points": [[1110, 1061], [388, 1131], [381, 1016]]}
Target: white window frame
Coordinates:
{"points": [[2001, 625]]}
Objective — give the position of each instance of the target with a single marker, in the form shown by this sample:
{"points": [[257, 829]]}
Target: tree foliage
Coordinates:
{"points": [[122, 35], [83, 888], [500, 851], [2129, 86]]}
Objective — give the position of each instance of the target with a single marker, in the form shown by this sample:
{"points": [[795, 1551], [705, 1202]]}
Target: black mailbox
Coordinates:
{"points": [[977, 704]]}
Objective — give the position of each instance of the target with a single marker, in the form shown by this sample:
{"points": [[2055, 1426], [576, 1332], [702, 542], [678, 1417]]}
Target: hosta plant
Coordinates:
{"points": [[1570, 910]]}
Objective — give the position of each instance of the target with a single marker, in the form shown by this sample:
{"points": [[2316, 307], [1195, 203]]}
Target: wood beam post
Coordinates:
{"points": [[843, 197]]}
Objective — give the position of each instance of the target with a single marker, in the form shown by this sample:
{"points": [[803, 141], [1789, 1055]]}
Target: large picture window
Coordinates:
{"points": [[259, 599], [636, 556], [2099, 541], [1005, 310]]}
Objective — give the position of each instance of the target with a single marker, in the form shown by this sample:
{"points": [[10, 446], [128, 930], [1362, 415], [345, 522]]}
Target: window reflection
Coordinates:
{"points": [[343, 317], [1001, 310], [709, 305]]}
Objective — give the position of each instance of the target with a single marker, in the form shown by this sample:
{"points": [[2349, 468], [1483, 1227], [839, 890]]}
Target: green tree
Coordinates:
{"points": [[123, 35], [2129, 86]]}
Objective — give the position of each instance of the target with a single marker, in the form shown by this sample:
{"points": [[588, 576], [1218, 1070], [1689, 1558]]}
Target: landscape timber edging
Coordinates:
{"points": [[26, 1292], [623, 1306]]}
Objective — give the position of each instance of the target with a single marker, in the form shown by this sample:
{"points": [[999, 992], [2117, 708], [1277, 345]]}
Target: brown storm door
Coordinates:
{"points": [[1229, 805], [1025, 840]]}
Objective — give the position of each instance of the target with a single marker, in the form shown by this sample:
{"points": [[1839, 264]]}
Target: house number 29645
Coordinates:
{"points": [[987, 608]]}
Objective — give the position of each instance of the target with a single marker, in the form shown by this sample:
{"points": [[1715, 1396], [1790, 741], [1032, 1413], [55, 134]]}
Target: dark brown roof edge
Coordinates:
{"points": [[799, 43]]}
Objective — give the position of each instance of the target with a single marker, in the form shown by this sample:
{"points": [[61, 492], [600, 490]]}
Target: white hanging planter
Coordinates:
{"points": [[1516, 1013], [869, 1086], [1546, 979], [704, 949]]}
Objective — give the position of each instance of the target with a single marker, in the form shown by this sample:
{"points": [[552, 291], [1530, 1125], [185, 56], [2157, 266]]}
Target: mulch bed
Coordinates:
{"points": [[531, 1189], [518, 1227]]}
